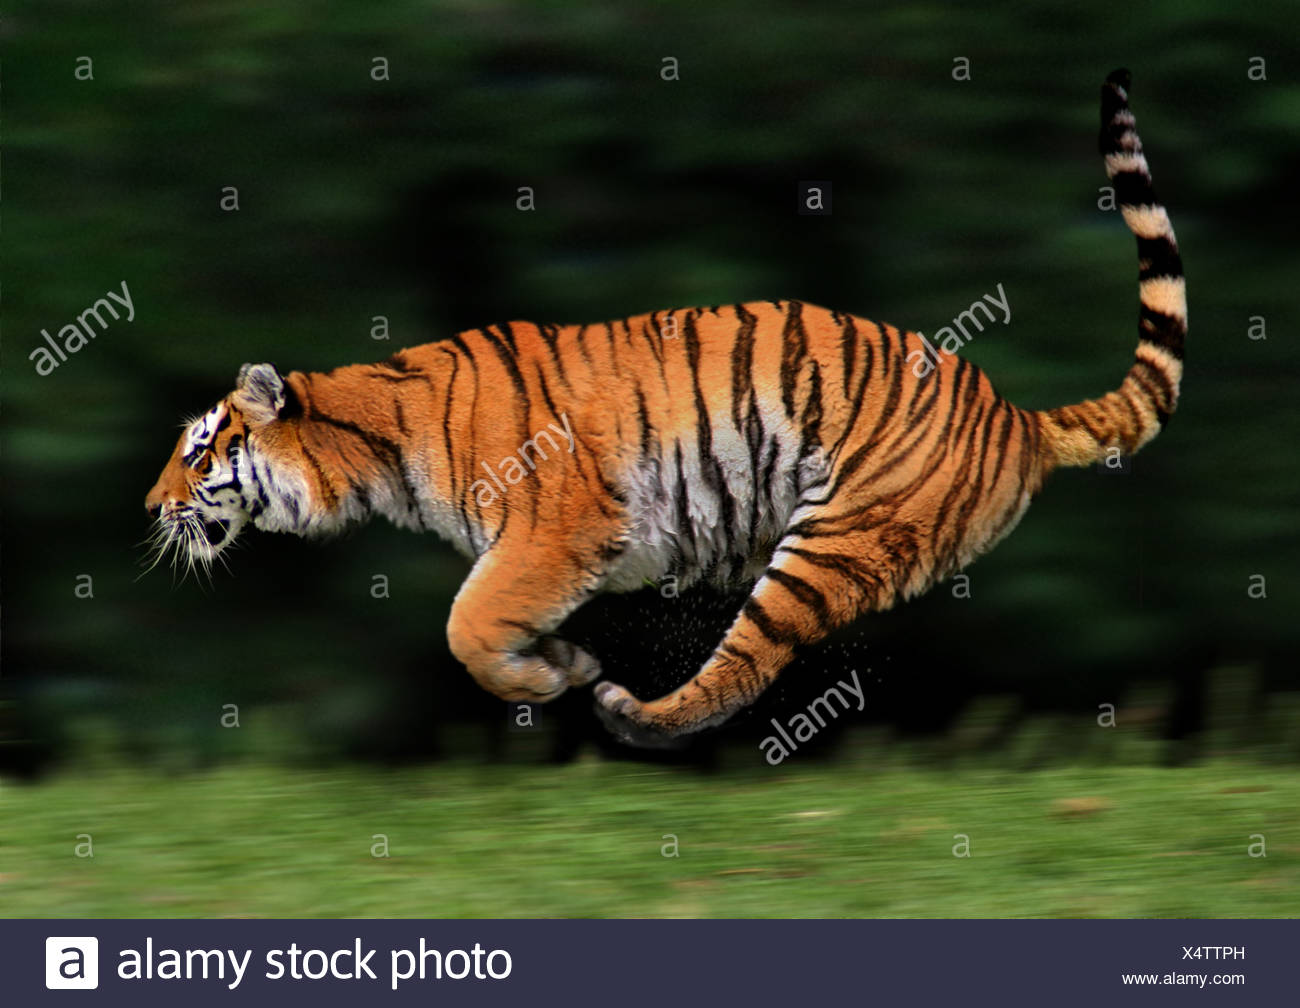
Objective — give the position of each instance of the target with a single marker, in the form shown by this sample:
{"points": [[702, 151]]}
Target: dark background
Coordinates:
{"points": [[361, 197]]}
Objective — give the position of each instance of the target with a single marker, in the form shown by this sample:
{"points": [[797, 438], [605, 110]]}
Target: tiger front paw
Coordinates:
{"points": [[580, 667], [538, 675]]}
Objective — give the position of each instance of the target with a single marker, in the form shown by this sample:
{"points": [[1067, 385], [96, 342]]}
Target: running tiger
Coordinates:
{"points": [[772, 443]]}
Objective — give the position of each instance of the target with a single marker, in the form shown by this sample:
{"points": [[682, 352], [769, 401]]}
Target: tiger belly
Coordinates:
{"points": [[714, 517]]}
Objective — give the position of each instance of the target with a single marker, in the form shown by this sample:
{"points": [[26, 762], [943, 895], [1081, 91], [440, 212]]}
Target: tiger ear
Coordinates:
{"points": [[259, 392]]}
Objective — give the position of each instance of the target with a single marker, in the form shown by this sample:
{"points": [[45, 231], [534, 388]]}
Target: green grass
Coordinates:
{"points": [[865, 836]]}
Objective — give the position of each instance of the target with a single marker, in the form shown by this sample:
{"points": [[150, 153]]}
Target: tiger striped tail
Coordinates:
{"points": [[1131, 416]]}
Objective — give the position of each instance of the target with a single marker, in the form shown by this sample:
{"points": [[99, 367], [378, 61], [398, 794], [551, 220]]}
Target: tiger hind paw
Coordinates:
{"points": [[623, 715]]}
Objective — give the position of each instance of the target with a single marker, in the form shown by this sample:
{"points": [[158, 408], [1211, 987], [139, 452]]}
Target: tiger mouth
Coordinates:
{"points": [[215, 531], [192, 540]]}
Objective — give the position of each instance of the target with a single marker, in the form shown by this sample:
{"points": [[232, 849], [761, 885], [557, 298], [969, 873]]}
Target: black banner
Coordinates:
{"points": [[629, 963]]}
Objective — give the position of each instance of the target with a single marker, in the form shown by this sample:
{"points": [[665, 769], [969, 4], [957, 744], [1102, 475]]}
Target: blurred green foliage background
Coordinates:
{"points": [[360, 197]]}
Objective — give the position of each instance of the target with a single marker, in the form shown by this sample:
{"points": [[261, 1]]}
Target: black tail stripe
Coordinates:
{"points": [[1133, 188], [1158, 257], [1157, 377], [1114, 99], [1163, 330]]}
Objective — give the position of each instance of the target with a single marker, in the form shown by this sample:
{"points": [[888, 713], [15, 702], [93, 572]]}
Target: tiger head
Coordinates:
{"points": [[220, 478]]}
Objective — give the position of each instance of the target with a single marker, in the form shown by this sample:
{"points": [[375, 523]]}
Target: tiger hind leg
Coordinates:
{"points": [[815, 582]]}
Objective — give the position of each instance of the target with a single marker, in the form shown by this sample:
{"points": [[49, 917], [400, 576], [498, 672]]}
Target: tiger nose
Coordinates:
{"points": [[154, 502], [155, 499]]}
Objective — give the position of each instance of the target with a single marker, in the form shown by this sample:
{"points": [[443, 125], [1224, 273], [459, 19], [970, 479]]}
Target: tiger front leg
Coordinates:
{"points": [[501, 628]]}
